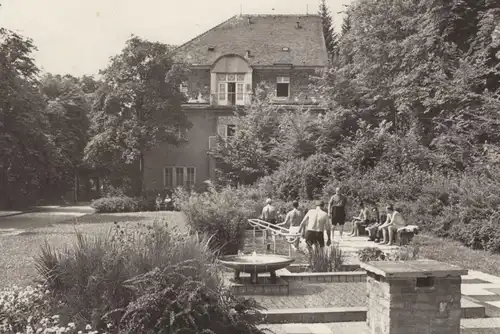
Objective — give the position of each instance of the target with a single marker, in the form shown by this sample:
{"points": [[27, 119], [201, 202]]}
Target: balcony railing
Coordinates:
{"points": [[230, 99]]}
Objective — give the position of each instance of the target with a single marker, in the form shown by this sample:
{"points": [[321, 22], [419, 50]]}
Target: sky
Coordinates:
{"points": [[78, 37]]}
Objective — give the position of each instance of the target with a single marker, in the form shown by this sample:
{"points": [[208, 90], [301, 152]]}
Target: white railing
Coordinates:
{"points": [[276, 230], [231, 99]]}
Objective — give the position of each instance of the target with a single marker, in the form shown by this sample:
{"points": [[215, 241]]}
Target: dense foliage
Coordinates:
{"points": [[222, 214], [145, 279], [60, 133], [411, 117], [115, 204], [136, 108]]}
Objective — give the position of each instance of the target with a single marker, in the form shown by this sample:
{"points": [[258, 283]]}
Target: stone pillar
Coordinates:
{"points": [[413, 297]]}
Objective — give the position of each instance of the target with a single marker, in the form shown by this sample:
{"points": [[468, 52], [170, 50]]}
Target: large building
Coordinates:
{"points": [[227, 63]]}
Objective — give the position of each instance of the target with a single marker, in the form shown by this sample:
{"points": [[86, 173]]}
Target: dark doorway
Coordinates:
{"points": [[231, 93]]}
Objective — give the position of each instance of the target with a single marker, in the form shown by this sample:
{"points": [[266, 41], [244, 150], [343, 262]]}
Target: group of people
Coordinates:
{"points": [[313, 225]]}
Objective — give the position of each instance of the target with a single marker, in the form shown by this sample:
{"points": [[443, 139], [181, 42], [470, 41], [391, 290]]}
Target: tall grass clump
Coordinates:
{"points": [[222, 213], [326, 259], [133, 278]]}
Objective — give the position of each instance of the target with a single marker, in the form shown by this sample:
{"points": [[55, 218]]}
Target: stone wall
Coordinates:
{"points": [[398, 306]]}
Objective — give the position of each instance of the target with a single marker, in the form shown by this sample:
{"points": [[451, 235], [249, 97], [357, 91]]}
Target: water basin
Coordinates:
{"points": [[256, 263]]}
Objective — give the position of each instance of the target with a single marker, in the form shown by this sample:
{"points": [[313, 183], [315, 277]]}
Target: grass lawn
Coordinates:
{"points": [[17, 251], [453, 252]]}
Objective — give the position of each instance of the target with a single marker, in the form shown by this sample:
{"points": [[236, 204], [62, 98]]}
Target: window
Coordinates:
{"points": [[222, 91], [230, 130], [282, 87], [169, 178], [226, 130], [239, 92], [190, 177], [184, 88], [230, 87], [179, 177]]}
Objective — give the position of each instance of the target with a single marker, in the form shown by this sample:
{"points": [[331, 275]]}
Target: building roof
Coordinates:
{"points": [[264, 36]]}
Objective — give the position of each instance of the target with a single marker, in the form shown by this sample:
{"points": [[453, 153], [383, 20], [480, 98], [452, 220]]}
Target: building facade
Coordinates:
{"points": [[227, 63]]}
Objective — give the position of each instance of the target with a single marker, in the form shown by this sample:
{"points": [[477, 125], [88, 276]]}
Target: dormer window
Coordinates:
{"points": [[184, 88], [283, 87]]}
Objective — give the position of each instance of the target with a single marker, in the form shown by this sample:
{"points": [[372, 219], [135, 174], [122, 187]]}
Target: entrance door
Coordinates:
{"points": [[231, 93]]}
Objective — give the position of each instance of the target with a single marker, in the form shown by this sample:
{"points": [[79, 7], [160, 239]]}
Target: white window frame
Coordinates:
{"points": [[222, 87], [184, 88], [174, 176], [283, 80], [222, 130]]}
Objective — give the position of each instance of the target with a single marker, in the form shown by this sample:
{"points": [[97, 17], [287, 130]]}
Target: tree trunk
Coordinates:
{"points": [[76, 185], [140, 184]]}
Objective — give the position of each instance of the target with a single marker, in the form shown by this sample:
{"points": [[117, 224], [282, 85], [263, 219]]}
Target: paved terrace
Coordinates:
{"points": [[477, 289]]}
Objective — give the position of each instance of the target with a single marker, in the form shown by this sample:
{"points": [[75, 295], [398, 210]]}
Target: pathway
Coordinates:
{"points": [[15, 222], [477, 287]]}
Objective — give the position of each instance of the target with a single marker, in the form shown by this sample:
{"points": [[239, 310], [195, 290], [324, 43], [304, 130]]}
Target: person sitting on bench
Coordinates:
{"points": [[361, 220], [373, 228], [393, 222]]}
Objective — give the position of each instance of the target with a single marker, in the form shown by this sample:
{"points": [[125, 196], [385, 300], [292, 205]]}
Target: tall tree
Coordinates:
{"points": [[138, 108], [346, 24], [331, 38], [25, 147], [67, 112]]}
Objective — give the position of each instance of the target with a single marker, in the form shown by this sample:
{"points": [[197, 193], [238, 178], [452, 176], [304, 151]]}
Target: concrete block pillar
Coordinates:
{"points": [[413, 297]]}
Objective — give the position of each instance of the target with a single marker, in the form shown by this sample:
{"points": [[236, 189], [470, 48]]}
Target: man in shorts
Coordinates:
{"points": [[314, 225], [269, 214], [292, 220], [337, 210]]}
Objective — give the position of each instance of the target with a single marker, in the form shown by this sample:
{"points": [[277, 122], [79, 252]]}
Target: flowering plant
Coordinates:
{"points": [[25, 310]]}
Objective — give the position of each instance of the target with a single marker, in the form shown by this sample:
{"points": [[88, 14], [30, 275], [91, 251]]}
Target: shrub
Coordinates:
{"points": [[326, 259], [368, 254], [30, 310], [178, 299], [404, 253], [115, 204], [301, 178], [222, 214], [20, 307], [99, 275]]}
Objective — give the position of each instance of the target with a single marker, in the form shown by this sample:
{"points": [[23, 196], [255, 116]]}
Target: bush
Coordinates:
{"points": [[115, 204], [301, 178], [326, 259], [223, 214], [21, 307], [404, 253], [368, 254], [111, 278], [177, 294]]}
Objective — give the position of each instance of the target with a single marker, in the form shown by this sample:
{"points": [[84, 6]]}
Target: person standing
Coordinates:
{"points": [[337, 210], [269, 214], [159, 201], [292, 220], [314, 225]]}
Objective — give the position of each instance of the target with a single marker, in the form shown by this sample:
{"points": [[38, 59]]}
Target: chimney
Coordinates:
{"points": [[298, 25], [248, 54]]}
